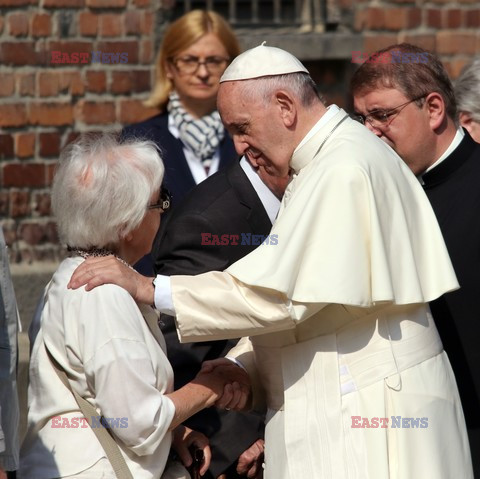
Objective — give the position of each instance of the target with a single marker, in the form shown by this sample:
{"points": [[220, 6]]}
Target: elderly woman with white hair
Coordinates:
{"points": [[102, 346], [467, 94]]}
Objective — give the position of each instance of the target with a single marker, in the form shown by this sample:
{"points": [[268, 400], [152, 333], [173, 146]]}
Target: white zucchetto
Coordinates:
{"points": [[262, 61]]}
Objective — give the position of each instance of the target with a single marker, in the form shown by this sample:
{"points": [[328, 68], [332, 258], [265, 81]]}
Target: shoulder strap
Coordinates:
{"points": [[106, 440]]}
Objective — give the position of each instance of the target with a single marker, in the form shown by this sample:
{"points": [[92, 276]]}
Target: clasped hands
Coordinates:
{"points": [[229, 382]]}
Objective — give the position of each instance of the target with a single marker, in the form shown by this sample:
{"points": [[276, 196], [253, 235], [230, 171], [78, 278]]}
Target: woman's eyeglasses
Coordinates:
{"points": [[189, 65], [382, 117], [164, 202]]}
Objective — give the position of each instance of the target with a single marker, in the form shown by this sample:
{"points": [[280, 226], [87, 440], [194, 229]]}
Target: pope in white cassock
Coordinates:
{"points": [[341, 337]]}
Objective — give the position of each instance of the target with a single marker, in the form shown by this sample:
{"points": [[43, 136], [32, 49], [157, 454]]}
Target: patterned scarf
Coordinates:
{"points": [[201, 136]]}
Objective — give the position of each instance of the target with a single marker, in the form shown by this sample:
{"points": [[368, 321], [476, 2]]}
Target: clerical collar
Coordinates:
{"points": [[457, 139], [332, 110], [269, 201]]}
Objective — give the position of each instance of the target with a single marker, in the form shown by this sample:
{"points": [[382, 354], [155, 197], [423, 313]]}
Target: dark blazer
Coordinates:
{"points": [[225, 203], [453, 188], [178, 177]]}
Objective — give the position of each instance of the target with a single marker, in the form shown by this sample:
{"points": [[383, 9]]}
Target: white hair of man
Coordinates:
{"points": [[299, 84], [102, 188], [467, 90]]}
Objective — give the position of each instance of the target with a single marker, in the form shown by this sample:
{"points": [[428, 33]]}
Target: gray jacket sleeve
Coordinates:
{"points": [[9, 412]]}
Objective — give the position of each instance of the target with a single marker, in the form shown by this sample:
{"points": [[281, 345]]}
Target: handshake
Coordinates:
{"points": [[228, 383]]}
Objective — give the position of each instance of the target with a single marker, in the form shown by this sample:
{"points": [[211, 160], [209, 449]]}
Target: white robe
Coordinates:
{"points": [[337, 318]]}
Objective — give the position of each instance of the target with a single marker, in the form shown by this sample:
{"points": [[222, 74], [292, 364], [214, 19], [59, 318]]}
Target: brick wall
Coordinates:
{"points": [[43, 105], [451, 29]]}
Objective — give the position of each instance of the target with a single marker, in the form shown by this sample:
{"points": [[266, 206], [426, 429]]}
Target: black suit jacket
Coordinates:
{"points": [[225, 203], [453, 188]]}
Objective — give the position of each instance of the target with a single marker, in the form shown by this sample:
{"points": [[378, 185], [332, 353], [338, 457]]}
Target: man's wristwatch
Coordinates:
{"points": [[154, 282]]}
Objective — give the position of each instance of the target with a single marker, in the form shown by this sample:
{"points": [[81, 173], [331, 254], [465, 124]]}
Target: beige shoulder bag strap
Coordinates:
{"points": [[106, 440]]}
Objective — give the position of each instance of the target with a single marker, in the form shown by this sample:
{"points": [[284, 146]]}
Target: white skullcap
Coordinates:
{"points": [[262, 61]]}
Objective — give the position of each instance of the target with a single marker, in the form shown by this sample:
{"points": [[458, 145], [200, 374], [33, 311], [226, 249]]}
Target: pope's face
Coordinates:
{"points": [[257, 129], [407, 129]]}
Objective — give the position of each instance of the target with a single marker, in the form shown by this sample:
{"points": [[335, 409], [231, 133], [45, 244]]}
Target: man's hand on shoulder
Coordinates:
{"points": [[96, 271]]}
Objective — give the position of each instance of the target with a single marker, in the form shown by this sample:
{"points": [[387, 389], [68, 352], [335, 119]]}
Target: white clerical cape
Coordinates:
{"points": [[337, 318]]}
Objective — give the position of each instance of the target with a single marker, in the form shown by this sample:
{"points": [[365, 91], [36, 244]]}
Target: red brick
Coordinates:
{"points": [[51, 232], [414, 17], [75, 82], [26, 84], [377, 42], [146, 52], [434, 18], [18, 24], [121, 82], [452, 42], [7, 84], [372, 19], [41, 25], [452, 18], [472, 18], [12, 115], [25, 145], [17, 3], [96, 81], [106, 3], [136, 81], [141, 80], [4, 204], [64, 3], [95, 113], [144, 3], [397, 18], [24, 175], [6, 146], [111, 25], [454, 67], [51, 83], [19, 203], [147, 23], [132, 111], [132, 22], [51, 114], [41, 202], [88, 24], [18, 53], [50, 173], [32, 233], [424, 41], [131, 48], [48, 83], [49, 144]]}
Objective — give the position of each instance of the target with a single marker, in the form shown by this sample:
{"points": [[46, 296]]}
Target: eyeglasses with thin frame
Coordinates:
{"points": [[164, 202], [382, 117], [188, 65]]}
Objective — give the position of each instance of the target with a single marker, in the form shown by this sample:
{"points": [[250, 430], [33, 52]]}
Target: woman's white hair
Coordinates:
{"points": [[102, 188], [467, 90]]}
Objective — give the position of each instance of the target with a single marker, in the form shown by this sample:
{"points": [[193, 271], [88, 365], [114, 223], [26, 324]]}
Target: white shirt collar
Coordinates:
{"points": [[332, 110], [270, 202], [457, 139]]}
